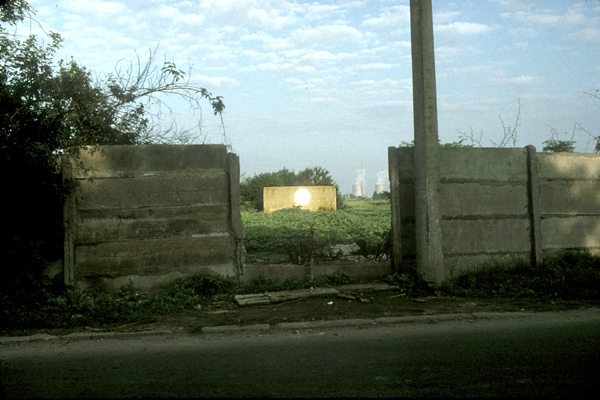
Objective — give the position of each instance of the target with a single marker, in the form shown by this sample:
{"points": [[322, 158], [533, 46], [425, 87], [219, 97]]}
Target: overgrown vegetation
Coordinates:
{"points": [[51, 107], [50, 304], [298, 234], [573, 275]]}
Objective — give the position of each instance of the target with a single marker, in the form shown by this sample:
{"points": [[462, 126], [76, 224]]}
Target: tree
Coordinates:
{"points": [[48, 108], [251, 189], [556, 145]]}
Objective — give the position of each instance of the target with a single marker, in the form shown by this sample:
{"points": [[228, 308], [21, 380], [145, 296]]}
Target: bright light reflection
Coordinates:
{"points": [[302, 197]]}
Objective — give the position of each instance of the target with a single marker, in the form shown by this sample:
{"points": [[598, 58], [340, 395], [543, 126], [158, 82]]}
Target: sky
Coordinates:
{"points": [[329, 83]]}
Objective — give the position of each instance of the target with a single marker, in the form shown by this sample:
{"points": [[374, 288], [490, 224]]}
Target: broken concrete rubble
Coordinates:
{"points": [[343, 252], [289, 295]]}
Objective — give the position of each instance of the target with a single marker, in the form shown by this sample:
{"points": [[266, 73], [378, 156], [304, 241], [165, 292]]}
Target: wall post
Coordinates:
{"points": [[69, 221], [533, 206], [430, 259], [233, 162], [394, 176]]}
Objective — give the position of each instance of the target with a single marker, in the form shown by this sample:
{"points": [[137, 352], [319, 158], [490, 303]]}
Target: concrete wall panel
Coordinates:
{"points": [[156, 191], [406, 195], [454, 265], [504, 203], [569, 166], [570, 197], [358, 272], [483, 199], [152, 214], [147, 160], [573, 232], [152, 224], [485, 236], [408, 237], [480, 164], [151, 257]]}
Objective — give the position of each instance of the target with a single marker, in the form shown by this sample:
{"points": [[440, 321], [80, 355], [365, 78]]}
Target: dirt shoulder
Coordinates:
{"points": [[224, 310]]}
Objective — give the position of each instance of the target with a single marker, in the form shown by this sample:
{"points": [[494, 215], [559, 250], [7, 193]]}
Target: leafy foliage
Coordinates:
{"points": [[572, 275], [51, 305], [556, 145], [309, 232], [53, 107], [251, 189]]}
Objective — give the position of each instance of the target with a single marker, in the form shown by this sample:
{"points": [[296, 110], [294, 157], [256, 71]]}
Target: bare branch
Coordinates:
{"points": [[471, 137]]}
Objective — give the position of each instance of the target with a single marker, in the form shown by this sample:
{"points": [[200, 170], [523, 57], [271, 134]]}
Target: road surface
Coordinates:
{"points": [[554, 354]]}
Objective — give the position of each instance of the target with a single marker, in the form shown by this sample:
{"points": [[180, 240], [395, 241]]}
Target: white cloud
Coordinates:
{"points": [[392, 18], [214, 81], [305, 69], [192, 19], [445, 17], [319, 100], [326, 35], [583, 38], [522, 80], [461, 29], [267, 41], [574, 16], [323, 57], [95, 7]]}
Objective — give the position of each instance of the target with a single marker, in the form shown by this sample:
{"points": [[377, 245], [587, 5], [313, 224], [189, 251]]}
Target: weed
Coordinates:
{"points": [[412, 283], [572, 275], [299, 234]]}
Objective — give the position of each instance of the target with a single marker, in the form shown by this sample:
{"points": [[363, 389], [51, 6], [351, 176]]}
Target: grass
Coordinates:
{"points": [[296, 235], [51, 305], [572, 275]]}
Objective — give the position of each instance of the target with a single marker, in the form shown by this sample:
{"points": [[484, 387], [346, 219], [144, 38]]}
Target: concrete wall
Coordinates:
{"points": [[152, 214], [358, 272], [278, 197], [569, 201], [501, 203]]}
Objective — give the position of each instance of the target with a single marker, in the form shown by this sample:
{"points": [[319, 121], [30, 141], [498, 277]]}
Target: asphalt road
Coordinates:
{"points": [[555, 355]]}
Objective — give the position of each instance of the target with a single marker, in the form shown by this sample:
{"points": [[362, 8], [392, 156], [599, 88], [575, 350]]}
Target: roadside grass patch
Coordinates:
{"points": [[51, 305], [571, 275]]}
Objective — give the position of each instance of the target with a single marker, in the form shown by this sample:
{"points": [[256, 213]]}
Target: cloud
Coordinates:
{"points": [[461, 29], [392, 18], [583, 37], [323, 57], [325, 35], [522, 80], [95, 7], [444, 17], [375, 66], [214, 81], [319, 100], [548, 18], [192, 19]]}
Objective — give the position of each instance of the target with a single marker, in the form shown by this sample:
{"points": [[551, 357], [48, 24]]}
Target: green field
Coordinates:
{"points": [[296, 235]]}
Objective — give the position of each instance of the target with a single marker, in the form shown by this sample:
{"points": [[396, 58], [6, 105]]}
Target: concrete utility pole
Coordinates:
{"points": [[430, 259]]}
